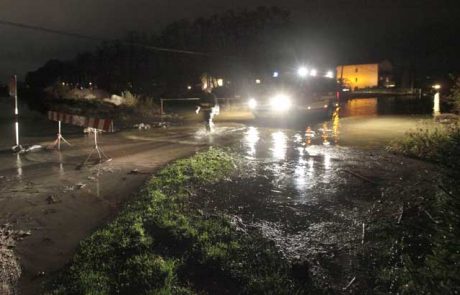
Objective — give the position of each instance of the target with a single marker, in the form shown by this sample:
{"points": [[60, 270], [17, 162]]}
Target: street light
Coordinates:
{"points": [[220, 82], [276, 74], [313, 73], [436, 86], [330, 74]]}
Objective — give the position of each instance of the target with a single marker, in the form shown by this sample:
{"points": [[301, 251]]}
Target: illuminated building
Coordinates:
{"points": [[362, 76]]}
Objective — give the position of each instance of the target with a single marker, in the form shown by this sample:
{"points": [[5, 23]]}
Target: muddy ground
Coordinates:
{"points": [[47, 195]]}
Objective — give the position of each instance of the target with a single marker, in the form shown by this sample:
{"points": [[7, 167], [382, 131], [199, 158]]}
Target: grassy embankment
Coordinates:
{"points": [[434, 143], [158, 245], [422, 253]]}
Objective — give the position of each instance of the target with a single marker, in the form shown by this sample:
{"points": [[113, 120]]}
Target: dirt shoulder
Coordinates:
{"points": [[43, 193]]}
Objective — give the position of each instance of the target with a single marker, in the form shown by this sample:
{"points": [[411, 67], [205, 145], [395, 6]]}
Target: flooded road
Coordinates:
{"points": [[54, 202], [321, 193], [310, 190], [374, 122], [318, 202]]}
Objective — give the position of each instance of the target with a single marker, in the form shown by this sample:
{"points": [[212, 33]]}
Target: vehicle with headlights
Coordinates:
{"points": [[304, 101]]}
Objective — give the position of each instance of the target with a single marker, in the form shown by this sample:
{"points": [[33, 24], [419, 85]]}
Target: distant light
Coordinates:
{"points": [[90, 83], [436, 86], [220, 82], [313, 72], [336, 104], [309, 107], [276, 74], [189, 87], [63, 83], [258, 81], [252, 103], [325, 106], [329, 74], [302, 72], [345, 89]]}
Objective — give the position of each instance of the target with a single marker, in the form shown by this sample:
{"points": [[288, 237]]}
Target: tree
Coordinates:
{"points": [[454, 95]]}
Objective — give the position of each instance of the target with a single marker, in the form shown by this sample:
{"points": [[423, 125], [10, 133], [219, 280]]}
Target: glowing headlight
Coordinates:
{"points": [[252, 103], [280, 103], [302, 72]]}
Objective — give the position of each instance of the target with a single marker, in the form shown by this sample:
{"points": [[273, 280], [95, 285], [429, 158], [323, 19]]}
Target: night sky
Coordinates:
{"points": [[328, 31]]}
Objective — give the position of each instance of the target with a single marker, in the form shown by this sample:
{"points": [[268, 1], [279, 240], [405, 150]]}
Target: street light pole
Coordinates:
{"points": [[14, 92]]}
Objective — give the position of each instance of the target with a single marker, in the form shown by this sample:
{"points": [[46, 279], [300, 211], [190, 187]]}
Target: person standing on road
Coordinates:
{"points": [[208, 105]]}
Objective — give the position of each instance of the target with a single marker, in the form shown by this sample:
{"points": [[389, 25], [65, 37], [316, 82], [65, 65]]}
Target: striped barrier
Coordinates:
{"points": [[100, 124]]}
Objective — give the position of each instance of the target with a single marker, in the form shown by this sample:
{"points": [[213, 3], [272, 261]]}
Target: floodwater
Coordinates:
{"points": [[34, 127], [374, 122], [310, 190], [315, 190]]}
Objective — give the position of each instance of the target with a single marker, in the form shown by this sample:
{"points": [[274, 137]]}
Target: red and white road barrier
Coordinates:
{"points": [[100, 124]]}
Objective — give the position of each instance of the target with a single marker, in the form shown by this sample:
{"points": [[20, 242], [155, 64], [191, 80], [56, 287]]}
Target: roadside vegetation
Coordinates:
{"points": [[416, 250], [160, 245], [437, 143], [425, 242]]}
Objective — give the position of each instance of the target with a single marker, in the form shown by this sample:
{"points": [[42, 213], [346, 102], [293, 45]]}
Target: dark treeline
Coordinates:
{"points": [[235, 44]]}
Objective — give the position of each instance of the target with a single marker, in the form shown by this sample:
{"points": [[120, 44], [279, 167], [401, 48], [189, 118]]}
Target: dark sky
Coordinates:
{"points": [[330, 30]]}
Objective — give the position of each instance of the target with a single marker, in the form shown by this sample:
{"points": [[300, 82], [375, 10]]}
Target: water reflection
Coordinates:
{"points": [[325, 131], [19, 165], [251, 138], [279, 148], [300, 176], [61, 165], [360, 107], [336, 125], [309, 135], [436, 105], [327, 161], [311, 165]]}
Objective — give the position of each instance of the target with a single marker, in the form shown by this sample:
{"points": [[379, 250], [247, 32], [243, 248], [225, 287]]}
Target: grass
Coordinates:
{"points": [[439, 144], [159, 245], [425, 252], [421, 254]]}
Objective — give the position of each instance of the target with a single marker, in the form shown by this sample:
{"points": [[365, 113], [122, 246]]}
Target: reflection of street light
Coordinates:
{"points": [[302, 72], [437, 99]]}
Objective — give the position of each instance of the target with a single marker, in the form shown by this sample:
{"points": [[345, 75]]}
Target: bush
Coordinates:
{"points": [[129, 99], [454, 96], [438, 144]]}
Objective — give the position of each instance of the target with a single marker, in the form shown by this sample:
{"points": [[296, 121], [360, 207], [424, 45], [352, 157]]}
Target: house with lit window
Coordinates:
{"points": [[364, 76]]}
